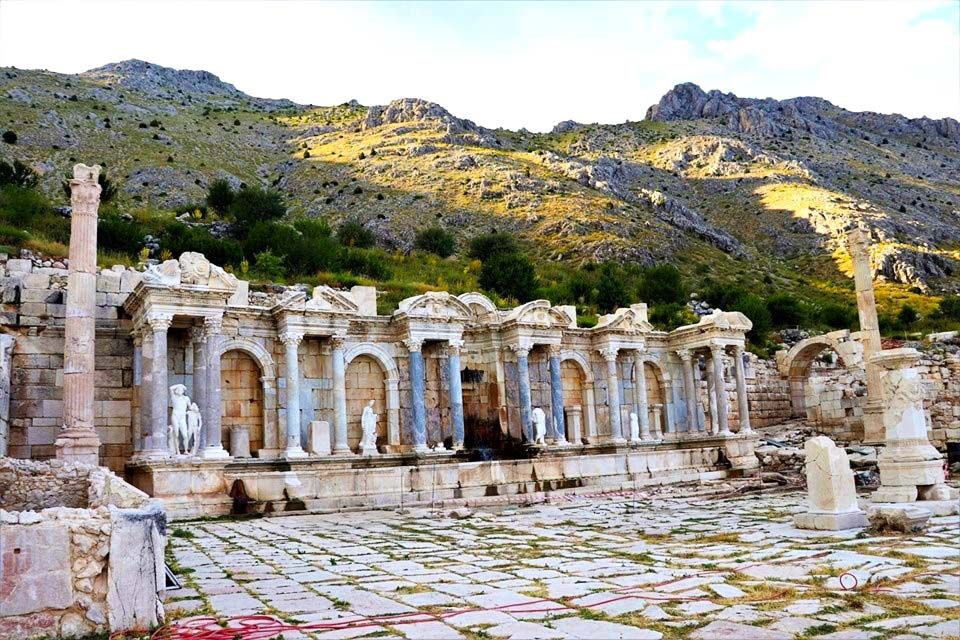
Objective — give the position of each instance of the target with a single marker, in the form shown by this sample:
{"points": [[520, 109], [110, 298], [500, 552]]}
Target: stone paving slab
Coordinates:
{"points": [[659, 565]]}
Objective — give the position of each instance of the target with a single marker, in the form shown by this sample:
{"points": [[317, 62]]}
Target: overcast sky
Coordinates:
{"points": [[516, 64]]}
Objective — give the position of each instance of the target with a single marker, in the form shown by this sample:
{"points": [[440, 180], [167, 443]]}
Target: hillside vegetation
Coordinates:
{"points": [[747, 199]]}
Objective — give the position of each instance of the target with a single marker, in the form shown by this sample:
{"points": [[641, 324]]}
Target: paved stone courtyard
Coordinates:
{"points": [[637, 566]]}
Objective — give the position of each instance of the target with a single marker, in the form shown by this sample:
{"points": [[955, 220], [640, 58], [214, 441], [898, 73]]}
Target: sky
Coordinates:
{"points": [[516, 64]]}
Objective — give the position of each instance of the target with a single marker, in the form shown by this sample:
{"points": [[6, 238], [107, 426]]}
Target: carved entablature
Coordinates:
{"points": [[538, 314], [327, 313], [723, 328], [436, 306], [631, 320], [191, 270]]}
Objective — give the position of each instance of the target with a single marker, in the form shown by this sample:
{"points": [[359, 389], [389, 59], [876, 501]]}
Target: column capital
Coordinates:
{"points": [[338, 341], [290, 337], [159, 321], [136, 334], [196, 333], [554, 350], [716, 350], [413, 345], [685, 354], [609, 353], [738, 350], [521, 348], [453, 347], [212, 325], [640, 354]]}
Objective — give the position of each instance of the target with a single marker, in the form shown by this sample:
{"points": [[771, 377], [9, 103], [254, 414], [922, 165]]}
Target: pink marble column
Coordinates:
{"points": [[78, 441]]}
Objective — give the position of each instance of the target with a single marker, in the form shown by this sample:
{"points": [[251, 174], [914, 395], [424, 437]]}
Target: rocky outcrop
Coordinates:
{"points": [[415, 110], [911, 266], [721, 156]]}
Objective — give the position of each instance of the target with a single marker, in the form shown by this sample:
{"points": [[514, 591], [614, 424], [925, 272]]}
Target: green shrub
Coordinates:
{"points": [[671, 315], [10, 137], [353, 234], [837, 316], [17, 174], [662, 284], [252, 205], [436, 240], [509, 274], [907, 316], [178, 237], [785, 310], [220, 196], [724, 296], [117, 234], [611, 290], [755, 308], [268, 266], [13, 236], [23, 208], [365, 262], [950, 307], [491, 244]]}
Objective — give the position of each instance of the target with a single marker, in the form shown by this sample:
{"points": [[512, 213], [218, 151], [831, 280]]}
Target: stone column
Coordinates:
{"points": [[720, 389], [456, 392], [291, 342], [523, 386], [640, 394], [136, 425], [157, 392], [743, 405], [6, 370], [613, 393], [417, 392], [340, 445], [657, 421], [711, 394], [197, 340], [689, 389], [556, 396], [211, 410], [78, 441], [858, 244]]}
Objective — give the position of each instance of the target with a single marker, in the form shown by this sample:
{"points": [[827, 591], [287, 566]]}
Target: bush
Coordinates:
{"points": [[353, 234], [17, 174], [118, 235], [23, 208], [907, 316], [837, 316], [178, 238], [491, 244], [365, 262], [755, 308], [950, 307], [220, 196], [785, 310], [611, 291], [723, 296], [510, 275], [11, 235], [662, 284], [671, 315], [268, 266], [253, 204], [10, 137], [437, 241]]}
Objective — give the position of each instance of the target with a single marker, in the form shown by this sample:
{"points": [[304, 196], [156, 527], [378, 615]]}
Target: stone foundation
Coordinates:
{"points": [[81, 551]]}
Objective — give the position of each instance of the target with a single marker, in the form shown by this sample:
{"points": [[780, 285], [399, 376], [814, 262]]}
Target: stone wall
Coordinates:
{"points": [[89, 564]]}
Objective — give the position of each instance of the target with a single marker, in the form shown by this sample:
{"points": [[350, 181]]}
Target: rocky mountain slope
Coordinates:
{"points": [[714, 183]]}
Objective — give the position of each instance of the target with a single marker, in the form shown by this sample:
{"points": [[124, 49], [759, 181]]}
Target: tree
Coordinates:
{"points": [[353, 234], [487, 245], [907, 316], [253, 204], [837, 316], [950, 307], [662, 284], [268, 266], [611, 290], [509, 274], [10, 137], [755, 308], [436, 240], [785, 310], [17, 174], [220, 196]]}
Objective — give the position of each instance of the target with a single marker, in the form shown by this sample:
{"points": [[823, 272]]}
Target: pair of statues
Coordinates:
{"points": [[183, 433]]}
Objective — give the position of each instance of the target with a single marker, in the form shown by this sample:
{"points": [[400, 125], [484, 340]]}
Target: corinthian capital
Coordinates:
{"points": [[685, 354], [290, 337], [454, 347], [159, 321], [337, 341], [554, 350], [413, 345], [609, 353], [521, 349], [212, 325]]}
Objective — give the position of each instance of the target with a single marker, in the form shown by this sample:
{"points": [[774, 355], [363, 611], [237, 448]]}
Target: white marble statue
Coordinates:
{"points": [[368, 423], [194, 424], [539, 426], [634, 428], [180, 403]]}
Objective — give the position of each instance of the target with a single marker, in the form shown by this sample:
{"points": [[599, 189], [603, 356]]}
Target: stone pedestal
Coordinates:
{"points": [[240, 441], [318, 438], [369, 450], [575, 420], [831, 492], [739, 450], [78, 441]]}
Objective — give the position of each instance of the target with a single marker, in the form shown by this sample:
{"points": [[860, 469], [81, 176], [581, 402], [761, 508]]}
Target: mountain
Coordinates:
{"points": [[723, 186]]}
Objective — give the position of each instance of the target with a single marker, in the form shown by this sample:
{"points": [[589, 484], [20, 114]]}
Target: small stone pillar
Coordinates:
{"points": [[456, 392], [318, 438], [720, 389], [575, 420], [656, 411], [417, 393], [689, 388], [613, 394], [858, 244], [6, 360], [711, 395], [199, 396], [340, 445], [640, 394], [78, 441], [156, 390], [291, 342], [240, 441], [831, 492]]}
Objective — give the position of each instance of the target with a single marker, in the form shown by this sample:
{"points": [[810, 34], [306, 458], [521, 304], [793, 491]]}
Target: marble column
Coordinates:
{"points": [[640, 394], [291, 342], [720, 389], [417, 393], [340, 445], [456, 392], [78, 441], [136, 423], [858, 244], [6, 370], [743, 405], [689, 389], [157, 392], [556, 396], [211, 409], [711, 394], [197, 340], [613, 394], [523, 387]]}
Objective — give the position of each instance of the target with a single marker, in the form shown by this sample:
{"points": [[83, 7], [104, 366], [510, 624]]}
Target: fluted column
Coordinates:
{"points": [[136, 419], [211, 410], [417, 392], [613, 393], [340, 445], [640, 394], [291, 342], [689, 390], [523, 387], [720, 389], [743, 405], [456, 392], [78, 441], [197, 340], [556, 396], [157, 393]]}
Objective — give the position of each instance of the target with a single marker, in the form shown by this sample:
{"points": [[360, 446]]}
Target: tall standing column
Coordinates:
{"points": [[157, 392], [199, 396], [211, 409], [523, 387], [640, 394], [743, 405], [689, 390], [712, 395], [613, 393], [456, 392], [78, 441], [417, 393], [291, 342], [136, 424], [340, 445], [556, 396], [720, 389], [858, 244]]}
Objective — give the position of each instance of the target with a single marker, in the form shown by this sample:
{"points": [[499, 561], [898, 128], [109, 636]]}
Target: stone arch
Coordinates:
{"points": [[391, 381], [242, 398], [658, 388], [798, 361], [589, 410], [268, 381], [480, 305]]}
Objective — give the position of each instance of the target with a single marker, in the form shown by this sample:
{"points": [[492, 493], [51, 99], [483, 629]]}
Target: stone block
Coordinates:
{"points": [[108, 281], [19, 265], [129, 280], [35, 281], [135, 568], [318, 438], [37, 577]]}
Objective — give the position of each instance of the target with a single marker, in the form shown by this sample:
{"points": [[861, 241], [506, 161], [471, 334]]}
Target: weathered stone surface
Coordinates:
{"points": [[36, 572]]}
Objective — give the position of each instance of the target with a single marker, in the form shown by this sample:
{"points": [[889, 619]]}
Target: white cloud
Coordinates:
{"points": [[512, 65]]}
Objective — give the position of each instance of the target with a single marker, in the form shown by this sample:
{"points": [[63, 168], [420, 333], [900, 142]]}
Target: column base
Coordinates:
{"points": [[369, 451], [343, 451], [421, 448], [214, 452], [79, 446], [294, 453], [150, 455]]}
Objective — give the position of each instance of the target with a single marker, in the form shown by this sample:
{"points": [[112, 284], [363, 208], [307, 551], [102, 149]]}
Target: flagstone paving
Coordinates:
{"points": [[647, 567]]}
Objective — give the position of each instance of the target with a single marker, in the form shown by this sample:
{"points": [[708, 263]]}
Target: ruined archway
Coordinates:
{"points": [[241, 397], [798, 363], [380, 363], [577, 380]]}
